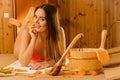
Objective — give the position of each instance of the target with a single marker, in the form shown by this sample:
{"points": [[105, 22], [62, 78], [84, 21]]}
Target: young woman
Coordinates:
{"points": [[43, 42]]}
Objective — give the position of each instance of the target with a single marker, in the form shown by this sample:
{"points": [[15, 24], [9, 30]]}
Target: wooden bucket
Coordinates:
{"points": [[83, 58]]}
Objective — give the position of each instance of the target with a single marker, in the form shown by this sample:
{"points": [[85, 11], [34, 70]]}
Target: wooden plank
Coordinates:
{"points": [[112, 73], [8, 33], [90, 16], [87, 16], [116, 23], [1, 27], [114, 60]]}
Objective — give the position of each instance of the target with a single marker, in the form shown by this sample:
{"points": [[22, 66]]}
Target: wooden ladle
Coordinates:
{"points": [[57, 67], [102, 54]]}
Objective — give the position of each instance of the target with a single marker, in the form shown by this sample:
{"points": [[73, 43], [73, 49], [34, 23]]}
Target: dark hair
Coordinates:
{"points": [[51, 12], [53, 23]]}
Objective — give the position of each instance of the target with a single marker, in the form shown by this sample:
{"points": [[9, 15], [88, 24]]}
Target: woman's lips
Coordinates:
{"points": [[36, 26]]}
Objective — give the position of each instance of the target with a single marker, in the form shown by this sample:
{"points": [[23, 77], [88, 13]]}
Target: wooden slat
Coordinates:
{"points": [[115, 22], [89, 17], [6, 32], [1, 26], [112, 73]]}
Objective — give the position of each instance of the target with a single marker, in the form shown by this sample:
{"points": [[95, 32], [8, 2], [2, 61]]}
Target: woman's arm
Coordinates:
{"points": [[27, 47], [21, 43]]}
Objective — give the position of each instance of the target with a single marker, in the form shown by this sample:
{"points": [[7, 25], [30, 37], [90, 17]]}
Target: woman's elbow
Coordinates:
{"points": [[16, 55], [23, 62]]}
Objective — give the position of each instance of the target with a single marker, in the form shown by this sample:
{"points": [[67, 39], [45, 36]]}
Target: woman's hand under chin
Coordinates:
{"points": [[40, 65]]}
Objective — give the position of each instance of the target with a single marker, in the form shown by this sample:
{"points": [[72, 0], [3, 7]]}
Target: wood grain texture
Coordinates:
{"points": [[6, 30], [86, 16], [112, 73], [89, 17]]}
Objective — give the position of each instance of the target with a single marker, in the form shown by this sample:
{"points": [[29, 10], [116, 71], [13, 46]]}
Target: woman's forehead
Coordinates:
{"points": [[40, 12]]}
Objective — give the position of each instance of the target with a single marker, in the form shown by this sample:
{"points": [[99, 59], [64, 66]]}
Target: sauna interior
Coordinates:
{"points": [[89, 17]]}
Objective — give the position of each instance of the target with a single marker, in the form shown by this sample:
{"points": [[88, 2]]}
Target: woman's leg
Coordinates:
{"points": [[14, 22], [23, 26], [26, 20], [28, 17]]}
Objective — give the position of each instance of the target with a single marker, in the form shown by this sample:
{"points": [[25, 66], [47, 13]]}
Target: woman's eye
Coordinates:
{"points": [[42, 19], [39, 18]]}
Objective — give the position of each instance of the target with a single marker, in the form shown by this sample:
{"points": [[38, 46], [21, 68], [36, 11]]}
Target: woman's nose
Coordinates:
{"points": [[37, 21]]}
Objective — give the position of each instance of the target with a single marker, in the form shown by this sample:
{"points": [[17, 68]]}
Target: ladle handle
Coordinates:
{"points": [[103, 38], [70, 46]]}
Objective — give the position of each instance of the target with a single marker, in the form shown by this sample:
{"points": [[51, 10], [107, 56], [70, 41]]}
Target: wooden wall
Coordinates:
{"points": [[86, 16], [114, 8], [89, 17], [6, 31]]}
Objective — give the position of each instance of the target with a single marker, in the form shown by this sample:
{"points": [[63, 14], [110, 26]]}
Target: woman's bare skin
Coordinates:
{"points": [[26, 20], [15, 22], [30, 38]]}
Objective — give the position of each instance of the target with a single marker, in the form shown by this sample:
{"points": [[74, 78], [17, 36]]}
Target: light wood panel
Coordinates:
{"points": [[6, 30], [115, 22], [89, 17], [85, 16]]}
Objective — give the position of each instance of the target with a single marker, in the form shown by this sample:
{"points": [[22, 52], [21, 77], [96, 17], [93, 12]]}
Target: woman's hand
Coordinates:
{"points": [[40, 65], [33, 32]]}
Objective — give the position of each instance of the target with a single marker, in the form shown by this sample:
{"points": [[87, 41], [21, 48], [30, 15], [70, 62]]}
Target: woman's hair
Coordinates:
{"points": [[54, 52]]}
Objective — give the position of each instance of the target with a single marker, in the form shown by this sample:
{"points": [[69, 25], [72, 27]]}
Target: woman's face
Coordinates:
{"points": [[40, 20]]}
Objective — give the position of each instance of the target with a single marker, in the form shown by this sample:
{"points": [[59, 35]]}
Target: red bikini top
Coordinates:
{"points": [[36, 56]]}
